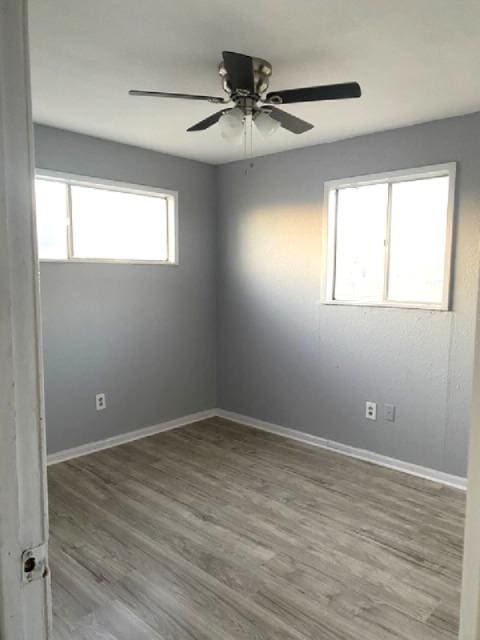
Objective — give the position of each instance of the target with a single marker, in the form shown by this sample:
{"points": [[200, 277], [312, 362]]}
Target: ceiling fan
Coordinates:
{"points": [[246, 80]]}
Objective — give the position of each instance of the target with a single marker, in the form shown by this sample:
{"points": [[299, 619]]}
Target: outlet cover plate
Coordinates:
{"points": [[100, 402], [389, 412], [371, 410]]}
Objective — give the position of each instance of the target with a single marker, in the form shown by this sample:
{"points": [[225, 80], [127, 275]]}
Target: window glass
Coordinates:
{"points": [[51, 215], [360, 234], [117, 225], [417, 241]]}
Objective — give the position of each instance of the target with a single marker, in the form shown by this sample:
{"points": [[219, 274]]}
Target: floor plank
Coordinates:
{"points": [[221, 532]]}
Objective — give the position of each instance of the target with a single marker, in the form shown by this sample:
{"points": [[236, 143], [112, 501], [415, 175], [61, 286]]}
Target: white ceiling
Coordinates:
{"points": [[416, 60]]}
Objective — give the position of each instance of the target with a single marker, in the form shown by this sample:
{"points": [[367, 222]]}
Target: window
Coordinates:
{"points": [[84, 219], [389, 238]]}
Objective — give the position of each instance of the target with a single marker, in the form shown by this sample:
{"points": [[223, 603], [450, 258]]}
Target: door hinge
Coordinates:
{"points": [[35, 563]]}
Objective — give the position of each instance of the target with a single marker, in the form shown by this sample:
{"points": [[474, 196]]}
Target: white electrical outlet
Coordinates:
{"points": [[389, 412], [100, 402], [371, 410]]}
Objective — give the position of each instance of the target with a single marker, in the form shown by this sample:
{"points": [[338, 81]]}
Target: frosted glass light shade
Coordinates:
{"points": [[231, 124], [266, 125]]}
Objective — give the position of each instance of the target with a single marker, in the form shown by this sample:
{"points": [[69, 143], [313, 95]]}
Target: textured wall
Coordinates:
{"points": [[286, 358], [144, 335]]}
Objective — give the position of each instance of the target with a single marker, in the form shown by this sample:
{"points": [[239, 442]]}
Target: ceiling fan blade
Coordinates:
{"points": [[240, 71], [208, 122], [184, 96], [312, 94], [287, 121]]}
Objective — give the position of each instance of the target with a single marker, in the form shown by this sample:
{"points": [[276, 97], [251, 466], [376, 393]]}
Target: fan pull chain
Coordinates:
{"points": [[248, 142], [245, 140]]}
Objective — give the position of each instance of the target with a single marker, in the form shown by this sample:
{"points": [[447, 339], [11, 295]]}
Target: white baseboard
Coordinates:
{"points": [[307, 438], [362, 454], [91, 447]]}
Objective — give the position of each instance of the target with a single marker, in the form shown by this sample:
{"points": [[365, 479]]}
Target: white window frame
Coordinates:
{"points": [[388, 177], [71, 179]]}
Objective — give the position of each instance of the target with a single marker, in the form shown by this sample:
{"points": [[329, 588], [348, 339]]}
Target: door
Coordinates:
{"points": [[24, 581]]}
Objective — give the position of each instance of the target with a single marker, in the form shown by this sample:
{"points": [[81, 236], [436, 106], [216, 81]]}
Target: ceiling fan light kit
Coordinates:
{"points": [[245, 81]]}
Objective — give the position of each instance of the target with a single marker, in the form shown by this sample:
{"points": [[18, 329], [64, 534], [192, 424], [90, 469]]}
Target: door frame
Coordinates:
{"points": [[470, 598], [25, 603]]}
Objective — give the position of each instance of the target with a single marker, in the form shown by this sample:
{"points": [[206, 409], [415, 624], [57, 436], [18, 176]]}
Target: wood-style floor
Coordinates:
{"points": [[221, 532]]}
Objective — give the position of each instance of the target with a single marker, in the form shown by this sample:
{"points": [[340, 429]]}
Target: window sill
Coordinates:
{"points": [[388, 305], [166, 263]]}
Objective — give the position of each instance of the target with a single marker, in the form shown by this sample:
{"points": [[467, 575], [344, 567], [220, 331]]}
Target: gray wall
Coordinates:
{"points": [[285, 358], [144, 335]]}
